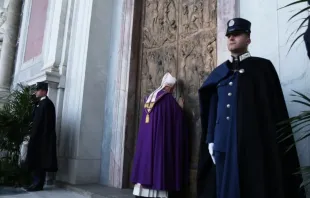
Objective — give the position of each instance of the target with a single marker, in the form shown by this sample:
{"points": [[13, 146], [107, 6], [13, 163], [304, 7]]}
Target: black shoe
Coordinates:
{"points": [[35, 188]]}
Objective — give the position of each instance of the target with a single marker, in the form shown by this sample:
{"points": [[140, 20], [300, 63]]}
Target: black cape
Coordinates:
{"points": [[41, 153], [265, 169]]}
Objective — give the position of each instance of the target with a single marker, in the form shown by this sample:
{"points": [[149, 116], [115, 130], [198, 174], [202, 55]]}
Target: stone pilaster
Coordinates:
{"points": [[9, 45], [225, 10]]}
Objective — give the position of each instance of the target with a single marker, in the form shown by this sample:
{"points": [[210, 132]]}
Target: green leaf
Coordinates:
{"points": [[304, 136], [301, 11], [305, 182], [300, 123], [295, 119], [302, 24], [301, 102], [302, 95], [302, 116], [297, 131], [294, 3], [295, 41]]}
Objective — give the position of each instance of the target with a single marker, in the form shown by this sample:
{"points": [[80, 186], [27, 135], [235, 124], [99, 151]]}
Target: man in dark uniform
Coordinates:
{"points": [[241, 104], [41, 155]]}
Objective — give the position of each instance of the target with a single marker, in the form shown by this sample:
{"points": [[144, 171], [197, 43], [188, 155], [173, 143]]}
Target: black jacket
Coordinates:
{"points": [[42, 145]]}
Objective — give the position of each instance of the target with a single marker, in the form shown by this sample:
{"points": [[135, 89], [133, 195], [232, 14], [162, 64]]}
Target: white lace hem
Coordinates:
{"points": [[144, 192]]}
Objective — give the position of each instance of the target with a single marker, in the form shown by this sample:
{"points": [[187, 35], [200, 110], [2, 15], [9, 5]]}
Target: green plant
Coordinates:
{"points": [[303, 22], [300, 125], [15, 120]]}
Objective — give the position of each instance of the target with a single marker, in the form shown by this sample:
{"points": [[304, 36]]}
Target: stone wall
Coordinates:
{"points": [[271, 38], [36, 29]]}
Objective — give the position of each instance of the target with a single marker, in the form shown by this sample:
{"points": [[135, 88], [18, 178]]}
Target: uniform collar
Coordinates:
{"points": [[241, 57], [44, 97]]}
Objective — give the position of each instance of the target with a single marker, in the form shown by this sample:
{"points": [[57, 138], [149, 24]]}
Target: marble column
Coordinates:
{"points": [[9, 45]]}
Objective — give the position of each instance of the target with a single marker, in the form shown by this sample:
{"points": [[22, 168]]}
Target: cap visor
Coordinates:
{"points": [[236, 32]]}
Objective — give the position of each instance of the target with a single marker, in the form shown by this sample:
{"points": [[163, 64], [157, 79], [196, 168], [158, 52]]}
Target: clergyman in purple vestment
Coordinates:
{"points": [[161, 159]]}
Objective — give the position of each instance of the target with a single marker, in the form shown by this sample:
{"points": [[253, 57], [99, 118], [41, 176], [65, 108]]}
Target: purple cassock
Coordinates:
{"points": [[161, 158]]}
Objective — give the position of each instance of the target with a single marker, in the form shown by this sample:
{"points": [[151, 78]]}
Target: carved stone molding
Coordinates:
{"points": [[52, 77], [160, 25]]}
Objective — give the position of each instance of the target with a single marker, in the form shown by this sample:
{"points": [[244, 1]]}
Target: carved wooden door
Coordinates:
{"points": [[179, 37]]}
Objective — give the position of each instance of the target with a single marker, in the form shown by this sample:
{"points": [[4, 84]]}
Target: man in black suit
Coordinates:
{"points": [[41, 155]]}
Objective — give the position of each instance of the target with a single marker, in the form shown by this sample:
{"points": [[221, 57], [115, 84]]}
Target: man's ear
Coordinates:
{"points": [[249, 40]]}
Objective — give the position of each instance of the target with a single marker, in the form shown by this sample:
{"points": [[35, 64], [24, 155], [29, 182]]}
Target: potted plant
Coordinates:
{"points": [[300, 123], [15, 123]]}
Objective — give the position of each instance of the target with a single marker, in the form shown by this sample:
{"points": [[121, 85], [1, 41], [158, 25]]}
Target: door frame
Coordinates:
{"points": [[130, 65]]}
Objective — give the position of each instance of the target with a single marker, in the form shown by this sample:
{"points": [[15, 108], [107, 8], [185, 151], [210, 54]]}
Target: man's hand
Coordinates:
{"points": [[210, 146], [181, 102]]}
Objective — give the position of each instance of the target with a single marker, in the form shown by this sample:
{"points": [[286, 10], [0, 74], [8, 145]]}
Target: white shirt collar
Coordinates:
{"points": [[241, 57], [44, 97]]}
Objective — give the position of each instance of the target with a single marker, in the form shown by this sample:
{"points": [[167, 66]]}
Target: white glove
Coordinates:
{"points": [[210, 146]]}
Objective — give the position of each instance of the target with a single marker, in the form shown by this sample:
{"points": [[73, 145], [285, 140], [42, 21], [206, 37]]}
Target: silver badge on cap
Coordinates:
{"points": [[231, 23]]}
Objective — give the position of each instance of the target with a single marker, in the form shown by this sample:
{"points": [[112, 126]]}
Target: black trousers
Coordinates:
{"points": [[39, 177]]}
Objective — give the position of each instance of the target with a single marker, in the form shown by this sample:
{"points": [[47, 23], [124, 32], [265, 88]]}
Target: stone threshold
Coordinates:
{"points": [[97, 190]]}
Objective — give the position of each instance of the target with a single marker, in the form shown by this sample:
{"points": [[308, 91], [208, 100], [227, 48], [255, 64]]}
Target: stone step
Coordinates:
{"points": [[10, 191], [48, 192], [97, 191]]}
